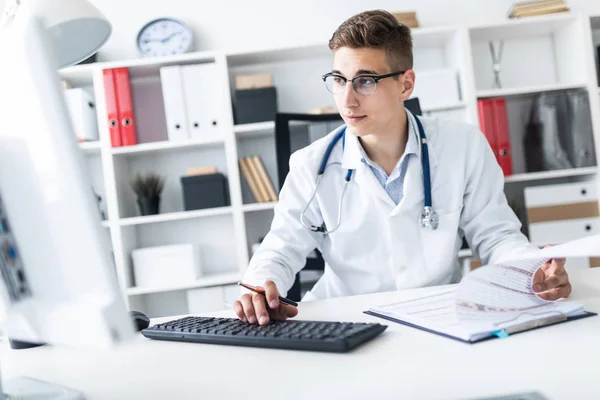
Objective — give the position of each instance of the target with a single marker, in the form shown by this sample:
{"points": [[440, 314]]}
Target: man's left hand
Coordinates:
{"points": [[551, 281]]}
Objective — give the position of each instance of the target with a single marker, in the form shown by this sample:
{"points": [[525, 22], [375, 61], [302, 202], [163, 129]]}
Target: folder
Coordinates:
{"points": [[493, 121], [495, 301], [125, 107], [502, 133], [83, 114], [486, 122], [204, 99], [484, 336], [174, 103], [112, 108]]}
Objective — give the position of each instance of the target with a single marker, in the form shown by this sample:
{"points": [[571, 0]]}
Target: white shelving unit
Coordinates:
{"points": [[541, 54]]}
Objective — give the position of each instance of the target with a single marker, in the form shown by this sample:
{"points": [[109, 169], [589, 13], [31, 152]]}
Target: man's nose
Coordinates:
{"points": [[350, 97]]}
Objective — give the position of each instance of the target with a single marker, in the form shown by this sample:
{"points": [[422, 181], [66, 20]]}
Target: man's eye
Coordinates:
{"points": [[338, 80], [366, 81]]}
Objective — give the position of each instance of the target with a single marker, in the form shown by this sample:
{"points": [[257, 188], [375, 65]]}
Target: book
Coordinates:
{"points": [[407, 18], [272, 196], [252, 184], [492, 301], [527, 9], [262, 189]]}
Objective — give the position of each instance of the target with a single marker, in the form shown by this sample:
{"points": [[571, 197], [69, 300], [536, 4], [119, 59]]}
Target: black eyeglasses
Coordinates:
{"points": [[364, 85]]}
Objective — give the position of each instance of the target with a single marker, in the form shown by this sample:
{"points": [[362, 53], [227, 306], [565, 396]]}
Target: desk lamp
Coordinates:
{"points": [[77, 28]]}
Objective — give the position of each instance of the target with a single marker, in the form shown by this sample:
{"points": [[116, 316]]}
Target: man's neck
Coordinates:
{"points": [[386, 147]]}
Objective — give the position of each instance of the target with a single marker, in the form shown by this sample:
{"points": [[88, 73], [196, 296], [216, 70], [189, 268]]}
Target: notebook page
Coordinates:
{"points": [[500, 296], [435, 312]]}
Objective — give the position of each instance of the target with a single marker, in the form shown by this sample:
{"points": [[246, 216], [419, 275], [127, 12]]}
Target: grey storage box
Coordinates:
{"points": [[255, 105], [204, 191]]}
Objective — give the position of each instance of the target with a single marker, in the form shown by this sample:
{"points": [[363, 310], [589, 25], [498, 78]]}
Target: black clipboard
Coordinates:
{"points": [[567, 319]]}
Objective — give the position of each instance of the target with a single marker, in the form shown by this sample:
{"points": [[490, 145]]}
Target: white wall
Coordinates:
{"points": [[254, 24]]}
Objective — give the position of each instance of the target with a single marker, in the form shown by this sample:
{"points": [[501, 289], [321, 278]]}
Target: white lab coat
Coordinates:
{"points": [[380, 246]]}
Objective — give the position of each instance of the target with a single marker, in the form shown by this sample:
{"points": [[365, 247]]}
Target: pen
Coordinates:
{"points": [[262, 291]]}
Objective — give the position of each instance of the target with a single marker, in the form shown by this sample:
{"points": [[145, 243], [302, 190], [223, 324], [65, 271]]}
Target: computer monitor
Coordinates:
{"points": [[58, 280]]}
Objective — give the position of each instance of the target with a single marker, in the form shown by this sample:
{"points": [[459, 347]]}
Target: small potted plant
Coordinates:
{"points": [[148, 187]]}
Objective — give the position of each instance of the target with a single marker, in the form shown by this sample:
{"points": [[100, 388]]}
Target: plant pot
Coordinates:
{"points": [[148, 205]]}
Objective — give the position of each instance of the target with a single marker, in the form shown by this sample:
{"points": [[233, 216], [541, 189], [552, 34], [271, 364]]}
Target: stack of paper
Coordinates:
{"points": [[495, 300]]}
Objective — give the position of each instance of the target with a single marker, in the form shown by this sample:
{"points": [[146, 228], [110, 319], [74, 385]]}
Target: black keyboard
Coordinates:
{"points": [[290, 334]]}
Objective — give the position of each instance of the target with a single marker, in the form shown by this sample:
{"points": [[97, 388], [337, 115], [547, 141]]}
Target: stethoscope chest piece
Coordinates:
{"points": [[429, 218]]}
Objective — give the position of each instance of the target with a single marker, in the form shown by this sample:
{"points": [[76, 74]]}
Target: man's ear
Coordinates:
{"points": [[408, 84]]}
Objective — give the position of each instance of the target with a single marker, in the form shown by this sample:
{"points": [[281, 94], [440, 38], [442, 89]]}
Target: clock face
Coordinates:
{"points": [[163, 37]]}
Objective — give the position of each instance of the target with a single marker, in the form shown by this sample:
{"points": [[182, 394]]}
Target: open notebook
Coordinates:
{"points": [[492, 301]]}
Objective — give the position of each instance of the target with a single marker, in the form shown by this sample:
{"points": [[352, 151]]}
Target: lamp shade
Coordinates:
{"points": [[78, 29]]}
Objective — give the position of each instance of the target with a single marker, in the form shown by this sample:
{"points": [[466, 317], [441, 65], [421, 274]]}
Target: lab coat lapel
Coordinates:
{"points": [[368, 182]]}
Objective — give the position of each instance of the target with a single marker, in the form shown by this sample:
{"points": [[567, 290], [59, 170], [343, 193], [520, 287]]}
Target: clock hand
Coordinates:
{"points": [[170, 36], [146, 41]]}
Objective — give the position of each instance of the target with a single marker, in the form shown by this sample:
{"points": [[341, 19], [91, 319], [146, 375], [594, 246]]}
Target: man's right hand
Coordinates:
{"points": [[255, 308]]}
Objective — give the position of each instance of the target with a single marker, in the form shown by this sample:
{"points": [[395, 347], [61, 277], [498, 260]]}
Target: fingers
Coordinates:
{"points": [[260, 309], [248, 307], [272, 294], [558, 293], [239, 310], [550, 283], [289, 311]]}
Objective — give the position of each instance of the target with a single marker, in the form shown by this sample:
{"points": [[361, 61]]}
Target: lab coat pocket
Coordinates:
{"points": [[439, 247]]}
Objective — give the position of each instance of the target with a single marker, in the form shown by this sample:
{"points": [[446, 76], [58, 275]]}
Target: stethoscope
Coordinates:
{"points": [[427, 219]]}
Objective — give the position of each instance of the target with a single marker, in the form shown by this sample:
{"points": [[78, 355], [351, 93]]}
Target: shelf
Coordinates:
{"points": [[175, 216], [274, 55], [527, 90], [89, 147], [78, 75], [266, 128], [562, 173], [216, 280], [259, 206], [166, 145], [150, 66], [436, 36], [465, 253], [519, 28], [445, 107]]}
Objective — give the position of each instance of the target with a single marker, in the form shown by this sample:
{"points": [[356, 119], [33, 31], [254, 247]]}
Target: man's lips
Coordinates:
{"points": [[355, 118]]}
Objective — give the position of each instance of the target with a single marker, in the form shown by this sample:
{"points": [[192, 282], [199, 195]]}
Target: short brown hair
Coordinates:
{"points": [[376, 29]]}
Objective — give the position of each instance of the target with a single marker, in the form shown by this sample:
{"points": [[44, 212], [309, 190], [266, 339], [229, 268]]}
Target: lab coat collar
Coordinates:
{"points": [[352, 156], [413, 181]]}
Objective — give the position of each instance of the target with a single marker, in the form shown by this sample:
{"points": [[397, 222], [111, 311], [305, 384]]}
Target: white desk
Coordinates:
{"points": [[560, 361]]}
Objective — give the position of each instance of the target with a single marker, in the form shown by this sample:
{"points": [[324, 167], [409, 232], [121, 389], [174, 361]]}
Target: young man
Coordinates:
{"points": [[378, 241]]}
